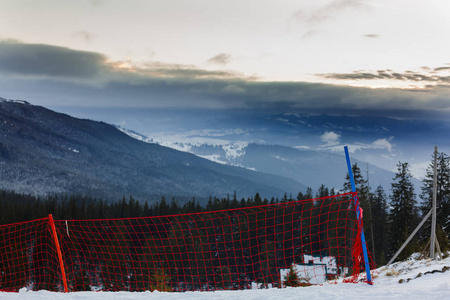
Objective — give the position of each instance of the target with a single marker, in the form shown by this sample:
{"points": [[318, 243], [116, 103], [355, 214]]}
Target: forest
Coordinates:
{"points": [[388, 219]]}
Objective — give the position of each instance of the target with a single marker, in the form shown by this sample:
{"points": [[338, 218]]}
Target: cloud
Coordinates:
{"points": [[382, 144], [330, 138], [96, 3], [40, 60], [326, 12], [312, 22], [85, 35], [309, 34], [61, 75], [442, 69], [45, 60], [220, 59], [429, 75]]}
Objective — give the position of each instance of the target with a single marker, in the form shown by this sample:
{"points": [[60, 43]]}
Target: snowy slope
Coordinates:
{"points": [[427, 280]]}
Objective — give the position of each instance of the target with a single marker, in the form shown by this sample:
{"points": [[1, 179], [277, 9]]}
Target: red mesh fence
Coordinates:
{"points": [[28, 257], [229, 249]]}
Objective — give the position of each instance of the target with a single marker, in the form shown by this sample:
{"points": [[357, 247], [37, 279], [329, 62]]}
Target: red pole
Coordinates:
{"points": [[58, 250]]}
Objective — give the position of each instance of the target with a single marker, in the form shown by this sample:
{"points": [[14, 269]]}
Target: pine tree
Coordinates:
{"points": [[309, 193], [442, 197], [380, 215], [363, 196], [403, 216], [292, 279], [258, 200], [322, 192]]}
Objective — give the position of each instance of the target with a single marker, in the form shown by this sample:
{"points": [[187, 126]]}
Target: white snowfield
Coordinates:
{"points": [[421, 285]]}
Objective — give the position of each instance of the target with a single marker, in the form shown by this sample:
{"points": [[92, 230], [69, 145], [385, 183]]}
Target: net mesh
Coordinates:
{"points": [[287, 244]]}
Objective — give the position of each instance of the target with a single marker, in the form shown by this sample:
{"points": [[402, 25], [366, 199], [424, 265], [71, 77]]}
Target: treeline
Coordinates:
{"points": [[388, 219], [16, 207]]}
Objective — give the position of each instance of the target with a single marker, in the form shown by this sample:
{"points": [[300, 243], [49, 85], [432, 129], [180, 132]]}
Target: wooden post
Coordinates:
{"points": [[410, 237], [58, 250]]}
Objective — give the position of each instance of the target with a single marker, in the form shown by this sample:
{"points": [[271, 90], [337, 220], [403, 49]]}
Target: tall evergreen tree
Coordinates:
{"points": [[403, 216], [309, 193], [363, 196], [442, 198], [379, 221], [322, 191]]}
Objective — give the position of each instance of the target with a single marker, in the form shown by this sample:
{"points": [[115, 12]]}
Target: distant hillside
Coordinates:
{"points": [[44, 152], [311, 167], [295, 145]]}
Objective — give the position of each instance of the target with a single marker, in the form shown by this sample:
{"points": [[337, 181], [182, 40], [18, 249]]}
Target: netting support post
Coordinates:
{"points": [[58, 250], [358, 216]]}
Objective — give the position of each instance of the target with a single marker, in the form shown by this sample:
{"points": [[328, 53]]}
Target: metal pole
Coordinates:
{"points": [[433, 218], [358, 216]]}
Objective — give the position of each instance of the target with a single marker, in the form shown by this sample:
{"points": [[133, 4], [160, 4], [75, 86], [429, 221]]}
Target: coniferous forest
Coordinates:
{"points": [[389, 216]]}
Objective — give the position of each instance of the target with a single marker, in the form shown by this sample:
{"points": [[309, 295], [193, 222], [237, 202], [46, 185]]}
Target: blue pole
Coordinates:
{"points": [[358, 217]]}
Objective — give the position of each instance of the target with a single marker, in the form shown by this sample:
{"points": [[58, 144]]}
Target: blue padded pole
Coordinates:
{"points": [[355, 199]]}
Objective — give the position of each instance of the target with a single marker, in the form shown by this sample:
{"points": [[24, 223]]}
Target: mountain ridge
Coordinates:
{"points": [[44, 152]]}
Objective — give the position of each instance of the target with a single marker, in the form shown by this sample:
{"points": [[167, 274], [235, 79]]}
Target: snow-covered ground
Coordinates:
{"points": [[411, 279]]}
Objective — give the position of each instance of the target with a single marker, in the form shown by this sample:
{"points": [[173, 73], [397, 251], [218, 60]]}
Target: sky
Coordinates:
{"points": [[320, 55]]}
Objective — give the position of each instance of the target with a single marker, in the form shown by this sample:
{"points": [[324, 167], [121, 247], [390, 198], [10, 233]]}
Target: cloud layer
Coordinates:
{"points": [[440, 75], [45, 60], [56, 75]]}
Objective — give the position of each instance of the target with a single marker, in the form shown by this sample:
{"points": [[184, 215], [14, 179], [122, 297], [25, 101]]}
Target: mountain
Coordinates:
{"points": [[378, 139], [44, 152], [311, 167], [304, 147]]}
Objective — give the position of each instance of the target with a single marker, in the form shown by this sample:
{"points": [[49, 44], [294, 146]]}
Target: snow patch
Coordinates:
{"points": [[279, 158], [215, 158], [188, 141], [235, 150]]}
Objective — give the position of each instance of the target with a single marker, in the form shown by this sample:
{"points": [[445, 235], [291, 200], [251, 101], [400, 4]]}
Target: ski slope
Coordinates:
{"points": [[420, 279]]}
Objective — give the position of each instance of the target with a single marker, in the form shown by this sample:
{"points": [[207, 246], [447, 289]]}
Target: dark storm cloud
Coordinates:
{"points": [[45, 60], [430, 77]]}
